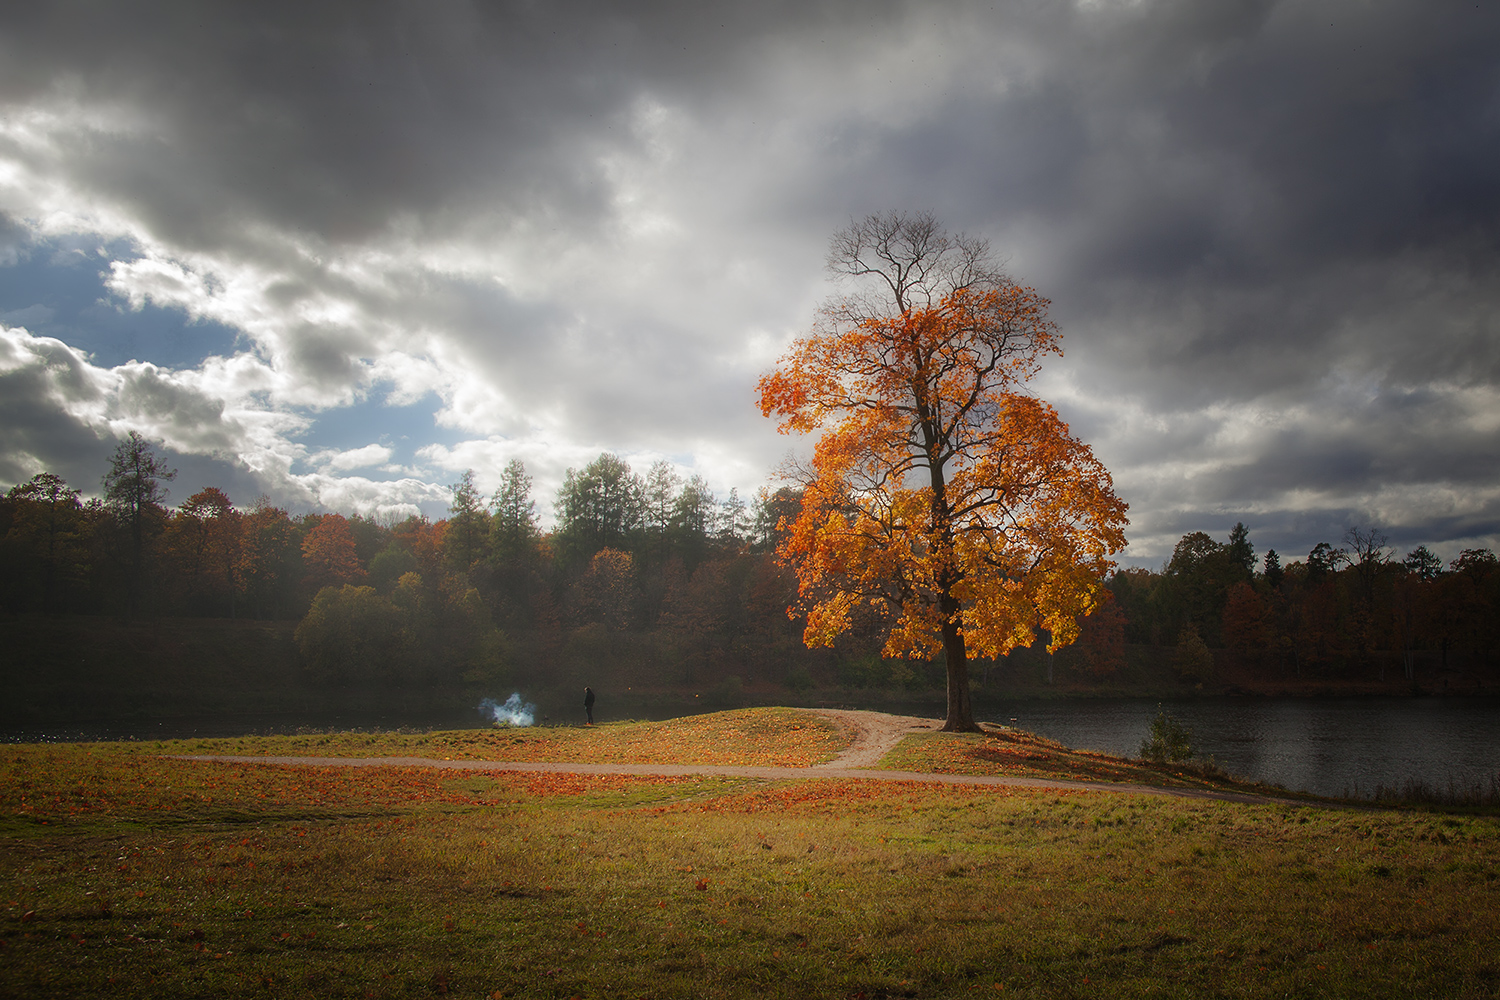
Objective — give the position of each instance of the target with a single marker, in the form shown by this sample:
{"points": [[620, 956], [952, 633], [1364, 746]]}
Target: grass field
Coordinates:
{"points": [[126, 873], [777, 737]]}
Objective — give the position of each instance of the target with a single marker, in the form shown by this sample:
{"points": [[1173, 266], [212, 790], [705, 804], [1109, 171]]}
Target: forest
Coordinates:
{"points": [[651, 582]]}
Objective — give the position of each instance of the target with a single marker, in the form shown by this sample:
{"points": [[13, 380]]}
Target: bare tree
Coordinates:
{"points": [[133, 491], [1368, 555], [910, 262]]}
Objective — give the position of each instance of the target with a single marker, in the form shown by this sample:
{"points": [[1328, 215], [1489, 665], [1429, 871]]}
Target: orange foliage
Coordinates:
{"points": [[204, 536], [960, 506], [424, 540], [607, 592], [267, 541], [1247, 620], [1102, 641], [329, 555]]}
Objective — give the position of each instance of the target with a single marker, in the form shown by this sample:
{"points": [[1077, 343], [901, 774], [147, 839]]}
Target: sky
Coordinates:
{"points": [[336, 254]]}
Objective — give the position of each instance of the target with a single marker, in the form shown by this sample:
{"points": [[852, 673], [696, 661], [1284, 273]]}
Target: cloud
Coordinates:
{"points": [[1271, 233], [369, 456], [63, 414]]}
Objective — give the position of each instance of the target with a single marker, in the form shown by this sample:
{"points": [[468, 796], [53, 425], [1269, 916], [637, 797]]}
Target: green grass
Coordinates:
{"points": [[125, 874]]}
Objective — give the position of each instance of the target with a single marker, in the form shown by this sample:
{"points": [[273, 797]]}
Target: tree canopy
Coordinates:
{"points": [[598, 507], [939, 493]]}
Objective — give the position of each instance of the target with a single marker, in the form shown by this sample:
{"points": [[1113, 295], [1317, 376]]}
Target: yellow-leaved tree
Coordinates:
{"points": [[939, 491]]}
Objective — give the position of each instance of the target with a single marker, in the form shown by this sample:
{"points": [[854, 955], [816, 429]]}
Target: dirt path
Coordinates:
{"points": [[874, 735]]}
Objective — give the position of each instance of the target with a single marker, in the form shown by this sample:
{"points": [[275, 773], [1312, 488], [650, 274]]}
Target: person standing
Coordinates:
{"points": [[588, 704]]}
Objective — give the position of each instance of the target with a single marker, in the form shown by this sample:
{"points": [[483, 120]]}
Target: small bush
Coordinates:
{"points": [[1192, 659], [1169, 741]]}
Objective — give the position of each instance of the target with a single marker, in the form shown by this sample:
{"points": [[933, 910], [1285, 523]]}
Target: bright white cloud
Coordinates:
{"points": [[370, 456]]}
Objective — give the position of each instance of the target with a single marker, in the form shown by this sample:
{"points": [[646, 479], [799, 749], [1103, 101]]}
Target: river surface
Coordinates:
{"points": [[1326, 746]]}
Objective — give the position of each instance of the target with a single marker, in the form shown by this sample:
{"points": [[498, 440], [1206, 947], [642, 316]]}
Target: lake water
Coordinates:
{"points": [[1325, 746]]}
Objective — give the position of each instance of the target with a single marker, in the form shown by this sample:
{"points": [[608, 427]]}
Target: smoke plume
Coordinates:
{"points": [[514, 712]]}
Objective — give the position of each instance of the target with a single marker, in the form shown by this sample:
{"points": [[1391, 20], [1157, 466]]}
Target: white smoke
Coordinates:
{"points": [[514, 712]]}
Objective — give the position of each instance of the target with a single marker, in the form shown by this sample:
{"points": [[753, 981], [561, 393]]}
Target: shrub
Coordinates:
{"points": [[352, 634], [1169, 741], [1192, 659]]}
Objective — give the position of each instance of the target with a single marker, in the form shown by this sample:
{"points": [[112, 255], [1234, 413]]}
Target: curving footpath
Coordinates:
{"points": [[875, 734]]}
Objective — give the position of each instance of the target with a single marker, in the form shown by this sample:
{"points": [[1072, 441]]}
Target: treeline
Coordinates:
{"points": [[648, 574], [1344, 610], [654, 581]]}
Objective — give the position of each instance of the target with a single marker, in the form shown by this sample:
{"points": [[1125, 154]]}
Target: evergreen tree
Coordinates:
{"points": [[598, 508], [733, 525], [1273, 571], [513, 530], [468, 524], [1423, 562], [1195, 584], [1323, 560], [693, 520], [1241, 553], [769, 512], [660, 495]]}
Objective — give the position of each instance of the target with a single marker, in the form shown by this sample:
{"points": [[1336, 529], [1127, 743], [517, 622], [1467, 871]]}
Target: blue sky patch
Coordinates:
{"points": [[403, 429], [56, 289]]}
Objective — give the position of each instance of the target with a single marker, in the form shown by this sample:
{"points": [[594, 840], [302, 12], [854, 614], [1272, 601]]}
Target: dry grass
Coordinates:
{"points": [[123, 874], [779, 737], [1016, 753]]}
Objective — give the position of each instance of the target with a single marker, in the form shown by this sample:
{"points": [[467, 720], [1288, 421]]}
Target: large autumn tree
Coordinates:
{"points": [[939, 491]]}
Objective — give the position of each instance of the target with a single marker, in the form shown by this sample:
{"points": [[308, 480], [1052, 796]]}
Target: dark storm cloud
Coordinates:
{"points": [[1271, 231], [41, 437], [1292, 215], [196, 420], [338, 118], [1323, 173]]}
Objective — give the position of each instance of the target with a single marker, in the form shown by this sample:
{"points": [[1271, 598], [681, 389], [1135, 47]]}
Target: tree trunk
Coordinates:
{"points": [[960, 709]]}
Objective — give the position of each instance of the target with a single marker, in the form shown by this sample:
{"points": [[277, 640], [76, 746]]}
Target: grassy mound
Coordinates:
{"points": [[1016, 753], [778, 737]]}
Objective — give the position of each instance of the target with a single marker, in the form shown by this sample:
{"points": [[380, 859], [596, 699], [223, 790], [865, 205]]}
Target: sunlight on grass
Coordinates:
{"points": [[779, 737]]}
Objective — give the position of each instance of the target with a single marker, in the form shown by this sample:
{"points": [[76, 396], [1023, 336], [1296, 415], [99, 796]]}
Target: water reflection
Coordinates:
{"points": [[1326, 746]]}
